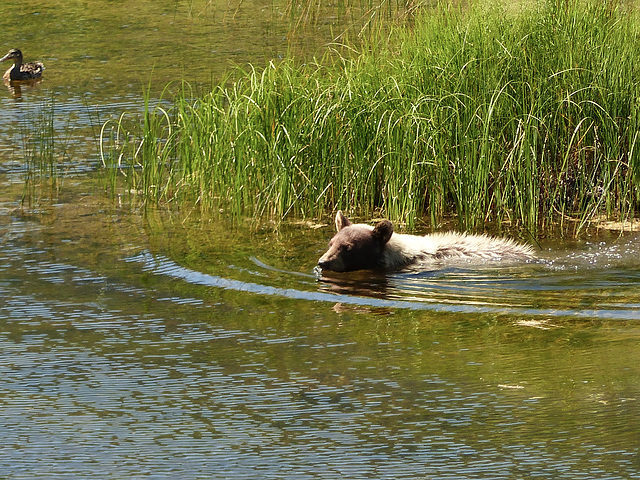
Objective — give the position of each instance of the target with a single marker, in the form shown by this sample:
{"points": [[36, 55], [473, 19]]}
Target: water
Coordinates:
{"points": [[151, 344], [132, 346]]}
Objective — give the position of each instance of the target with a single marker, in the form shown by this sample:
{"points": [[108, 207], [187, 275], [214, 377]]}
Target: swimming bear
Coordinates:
{"points": [[363, 247]]}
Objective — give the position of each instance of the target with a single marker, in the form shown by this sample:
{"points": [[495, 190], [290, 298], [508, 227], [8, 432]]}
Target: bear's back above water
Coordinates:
{"points": [[363, 247]]}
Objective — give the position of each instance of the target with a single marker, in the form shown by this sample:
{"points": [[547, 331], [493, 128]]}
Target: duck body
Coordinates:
{"points": [[21, 72]]}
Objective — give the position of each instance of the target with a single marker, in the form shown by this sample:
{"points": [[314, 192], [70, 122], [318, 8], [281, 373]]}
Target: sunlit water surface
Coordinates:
{"points": [[152, 345], [138, 347]]}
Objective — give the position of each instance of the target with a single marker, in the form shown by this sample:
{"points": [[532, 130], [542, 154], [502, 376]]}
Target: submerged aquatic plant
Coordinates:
{"points": [[489, 114]]}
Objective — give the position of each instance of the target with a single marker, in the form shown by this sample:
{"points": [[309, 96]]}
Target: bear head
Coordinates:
{"points": [[356, 247]]}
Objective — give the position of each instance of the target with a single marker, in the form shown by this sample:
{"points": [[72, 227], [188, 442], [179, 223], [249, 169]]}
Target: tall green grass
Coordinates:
{"points": [[44, 153], [489, 113]]}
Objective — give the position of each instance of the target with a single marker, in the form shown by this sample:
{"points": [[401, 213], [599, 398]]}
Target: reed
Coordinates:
{"points": [[44, 153], [487, 113]]}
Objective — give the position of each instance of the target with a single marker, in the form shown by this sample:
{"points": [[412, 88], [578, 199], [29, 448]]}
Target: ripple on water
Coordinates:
{"points": [[156, 414], [531, 289], [101, 376]]}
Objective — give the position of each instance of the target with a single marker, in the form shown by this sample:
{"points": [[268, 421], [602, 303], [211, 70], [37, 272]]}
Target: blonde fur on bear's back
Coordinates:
{"points": [[402, 249]]}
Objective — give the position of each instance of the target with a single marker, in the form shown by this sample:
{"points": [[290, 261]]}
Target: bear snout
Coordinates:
{"points": [[332, 262], [327, 263], [323, 264]]}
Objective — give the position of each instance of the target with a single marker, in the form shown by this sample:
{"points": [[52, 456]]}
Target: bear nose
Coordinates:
{"points": [[331, 265]]}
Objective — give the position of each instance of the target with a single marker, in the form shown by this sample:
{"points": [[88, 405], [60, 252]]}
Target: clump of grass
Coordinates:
{"points": [[527, 116], [44, 153]]}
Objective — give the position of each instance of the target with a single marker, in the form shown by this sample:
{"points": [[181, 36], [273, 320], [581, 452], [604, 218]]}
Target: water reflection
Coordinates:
{"points": [[135, 345], [15, 88], [116, 357], [513, 290]]}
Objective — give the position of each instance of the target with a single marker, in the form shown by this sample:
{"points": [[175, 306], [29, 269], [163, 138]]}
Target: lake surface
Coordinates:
{"points": [[154, 344]]}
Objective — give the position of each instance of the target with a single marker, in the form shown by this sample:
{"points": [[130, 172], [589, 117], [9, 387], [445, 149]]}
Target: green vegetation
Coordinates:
{"points": [[44, 155], [523, 114]]}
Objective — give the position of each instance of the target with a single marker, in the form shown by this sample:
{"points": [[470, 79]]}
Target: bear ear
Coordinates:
{"points": [[383, 231], [341, 221]]}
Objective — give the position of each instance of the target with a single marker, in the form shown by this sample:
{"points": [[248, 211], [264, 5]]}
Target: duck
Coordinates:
{"points": [[21, 71]]}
